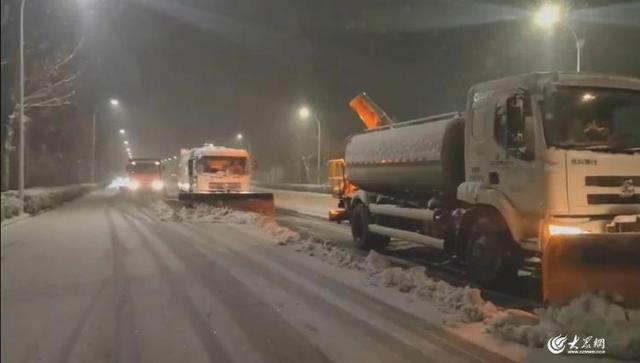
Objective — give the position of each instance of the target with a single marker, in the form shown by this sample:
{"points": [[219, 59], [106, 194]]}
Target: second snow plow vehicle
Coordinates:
{"points": [[539, 165], [145, 175], [220, 176]]}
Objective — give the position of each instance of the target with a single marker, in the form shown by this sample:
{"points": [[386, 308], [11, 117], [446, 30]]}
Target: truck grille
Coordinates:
{"points": [[224, 186], [612, 199], [610, 181]]}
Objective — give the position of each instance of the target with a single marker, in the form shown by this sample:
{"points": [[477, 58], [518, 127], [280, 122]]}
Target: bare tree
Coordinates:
{"points": [[50, 82]]}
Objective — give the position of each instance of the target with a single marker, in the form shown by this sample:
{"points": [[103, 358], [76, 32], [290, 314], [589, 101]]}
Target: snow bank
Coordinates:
{"points": [[204, 213], [594, 315], [39, 199]]}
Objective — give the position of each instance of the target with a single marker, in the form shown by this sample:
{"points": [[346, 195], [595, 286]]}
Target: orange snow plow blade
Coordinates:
{"points": [[261, 203], [576, 264]]}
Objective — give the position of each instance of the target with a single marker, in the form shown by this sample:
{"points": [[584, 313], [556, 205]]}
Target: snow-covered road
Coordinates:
{"points": [[102, 279], [114, 278]]}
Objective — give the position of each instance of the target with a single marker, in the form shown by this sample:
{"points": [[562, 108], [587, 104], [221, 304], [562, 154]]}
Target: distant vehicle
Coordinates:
{"points": [[218, 175], [214, 169], [539, 165], [145, 175]]}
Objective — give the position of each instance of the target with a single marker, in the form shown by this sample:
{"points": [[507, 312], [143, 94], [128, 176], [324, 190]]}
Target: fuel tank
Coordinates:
{"points": [[409, 159]]}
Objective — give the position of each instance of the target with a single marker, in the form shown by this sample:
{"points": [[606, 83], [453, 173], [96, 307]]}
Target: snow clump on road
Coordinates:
{"points": [[204, 213], [596, 315]]}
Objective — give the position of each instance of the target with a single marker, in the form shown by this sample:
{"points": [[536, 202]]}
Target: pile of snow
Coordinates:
{"points": [[596, 315], [205, 213], [460, 304], [39, 199]]}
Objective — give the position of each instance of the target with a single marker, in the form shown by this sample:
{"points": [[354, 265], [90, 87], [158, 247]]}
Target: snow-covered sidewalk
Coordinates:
{"points": [[461, 310], [39, 199]]}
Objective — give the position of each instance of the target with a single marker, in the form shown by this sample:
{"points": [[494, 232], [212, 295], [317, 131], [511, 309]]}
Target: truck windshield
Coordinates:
{"points": [[593, 118], [222, 164], [143, 168]]}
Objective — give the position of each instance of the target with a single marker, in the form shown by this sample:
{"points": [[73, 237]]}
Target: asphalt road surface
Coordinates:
{"points": [[101, 279]]}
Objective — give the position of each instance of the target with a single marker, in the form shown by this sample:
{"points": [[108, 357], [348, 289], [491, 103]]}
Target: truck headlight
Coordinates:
{"points": [[556, 229], [134, 184], [157, 185]]}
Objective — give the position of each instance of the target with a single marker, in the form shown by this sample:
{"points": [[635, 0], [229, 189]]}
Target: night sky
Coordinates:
{"points": [[190, 71]]}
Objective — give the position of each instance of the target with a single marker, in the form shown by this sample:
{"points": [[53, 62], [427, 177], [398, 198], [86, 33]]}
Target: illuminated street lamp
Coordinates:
{"points": [[122, 131], [239, 136], [114, 102], [126, 142], [550, 15], [304, 113]]}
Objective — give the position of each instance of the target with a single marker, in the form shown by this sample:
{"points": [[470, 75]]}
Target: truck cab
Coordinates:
{"points": [[215, 169], [555, 153], [145, 175]]}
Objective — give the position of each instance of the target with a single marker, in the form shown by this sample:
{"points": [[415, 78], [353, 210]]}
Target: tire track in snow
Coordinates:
{"points": [[208, 340], [292, 267], [125, 338], [269, 333]]}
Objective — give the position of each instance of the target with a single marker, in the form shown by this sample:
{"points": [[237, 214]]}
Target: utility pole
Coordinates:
{"points": [[21, 139], [93, 148]]}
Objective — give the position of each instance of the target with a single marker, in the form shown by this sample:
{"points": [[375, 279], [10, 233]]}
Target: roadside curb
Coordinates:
{"points": [[14, 220]]}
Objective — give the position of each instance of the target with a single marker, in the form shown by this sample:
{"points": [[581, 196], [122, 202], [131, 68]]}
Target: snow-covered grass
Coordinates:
{"points": [[39, 199], [597, 315]]}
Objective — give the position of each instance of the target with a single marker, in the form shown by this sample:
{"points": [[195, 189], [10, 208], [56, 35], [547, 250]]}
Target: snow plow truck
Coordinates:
{"points": [[220, 176], [539, 166]]}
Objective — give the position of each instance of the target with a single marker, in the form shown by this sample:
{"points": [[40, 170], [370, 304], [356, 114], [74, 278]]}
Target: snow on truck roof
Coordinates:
{"points": [[218, 151], [585, 79]]}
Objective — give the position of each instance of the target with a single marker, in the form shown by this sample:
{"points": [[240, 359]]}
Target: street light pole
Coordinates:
{"points": [[319, 143], [21, 140], [579, 45], [93, 148]]}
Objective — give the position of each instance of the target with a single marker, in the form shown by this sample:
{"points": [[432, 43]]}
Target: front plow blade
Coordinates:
{"points": [[575, 264], [261, 203]]}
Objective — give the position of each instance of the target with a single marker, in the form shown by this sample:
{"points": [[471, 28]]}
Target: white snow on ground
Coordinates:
{"points": [[307, 203], [39, 199], [589, 314], [203, 213]]}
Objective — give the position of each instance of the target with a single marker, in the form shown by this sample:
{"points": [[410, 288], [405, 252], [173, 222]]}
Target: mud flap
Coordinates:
{"points": [[575, 264], [261, 203]]}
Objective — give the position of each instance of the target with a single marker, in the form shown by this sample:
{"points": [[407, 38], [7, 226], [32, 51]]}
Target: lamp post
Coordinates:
{"points": [[21, 138], [114, 103], [549, 15], [304, 113]]}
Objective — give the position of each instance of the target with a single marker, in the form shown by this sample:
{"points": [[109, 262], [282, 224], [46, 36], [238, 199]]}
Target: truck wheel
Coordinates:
{"points": [[491, 254], [362, 238]]}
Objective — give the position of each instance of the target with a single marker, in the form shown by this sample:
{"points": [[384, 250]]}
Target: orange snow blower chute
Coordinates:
{"points": [[371, 114]]}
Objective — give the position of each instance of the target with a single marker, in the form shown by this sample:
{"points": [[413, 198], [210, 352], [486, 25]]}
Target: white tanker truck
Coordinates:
{"points": [[542, 164]]}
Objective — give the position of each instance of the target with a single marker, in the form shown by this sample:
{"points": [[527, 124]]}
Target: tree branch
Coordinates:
{"points": [[44, 91]]}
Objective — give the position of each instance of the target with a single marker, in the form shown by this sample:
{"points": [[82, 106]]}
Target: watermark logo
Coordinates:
{"points": [[577, 345], [556, 344]]}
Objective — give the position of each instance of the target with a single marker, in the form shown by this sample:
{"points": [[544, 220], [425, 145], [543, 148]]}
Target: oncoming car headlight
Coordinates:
{"points": [[134, 185], [556, 230], [157, 184]]}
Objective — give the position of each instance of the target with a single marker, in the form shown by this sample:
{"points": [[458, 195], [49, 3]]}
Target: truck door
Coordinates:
{"points": [[514, 169]]}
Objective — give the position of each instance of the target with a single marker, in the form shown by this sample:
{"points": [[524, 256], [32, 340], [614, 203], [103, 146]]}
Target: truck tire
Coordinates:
{"points": [[362, 238], [491, 253]]}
